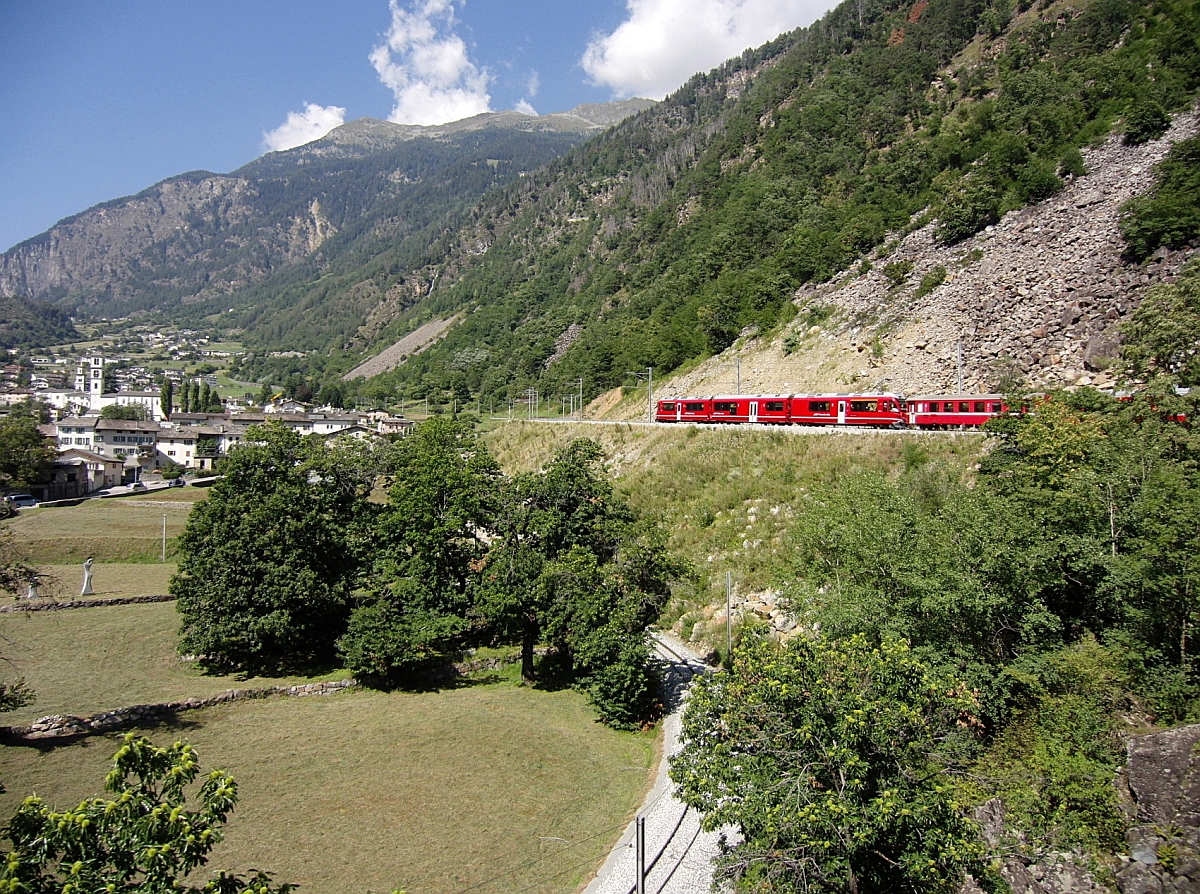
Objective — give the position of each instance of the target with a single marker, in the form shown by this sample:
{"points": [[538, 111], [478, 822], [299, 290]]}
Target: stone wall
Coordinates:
{"points": [[57, 726], [49, 605]]}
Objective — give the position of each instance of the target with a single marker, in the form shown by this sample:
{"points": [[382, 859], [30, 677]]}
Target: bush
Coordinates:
{"points": [[1146, 121]]}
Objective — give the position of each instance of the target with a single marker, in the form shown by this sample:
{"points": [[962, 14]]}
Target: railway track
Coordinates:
{"points": [[678, 852]]}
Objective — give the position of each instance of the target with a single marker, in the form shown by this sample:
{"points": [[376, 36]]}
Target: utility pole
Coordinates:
{"points": [[580, 384], [641, 854], [648, 375], [739, 376], [960, 377]]}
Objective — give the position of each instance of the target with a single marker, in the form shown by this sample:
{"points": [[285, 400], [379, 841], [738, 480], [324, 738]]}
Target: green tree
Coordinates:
{"points": [[267, 561], [1163, 335], [572, 566], [427, 545], [167, 398], [144, 839], [25, 453], [130, 412], [831, 758]]}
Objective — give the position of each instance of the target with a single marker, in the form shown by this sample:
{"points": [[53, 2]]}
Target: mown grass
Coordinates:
{"points": [[112, 530], [81, 661], [367, 791], [63, 582]]}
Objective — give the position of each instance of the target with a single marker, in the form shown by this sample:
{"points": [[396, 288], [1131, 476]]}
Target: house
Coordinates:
{"points": [[77, 472], [75, 432], [128, 439], [178, 445], [358, 431], [214, 442]]}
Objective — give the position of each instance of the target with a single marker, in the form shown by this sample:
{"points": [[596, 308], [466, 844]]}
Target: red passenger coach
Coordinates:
{"points": [[941, 411], [881, 410]]}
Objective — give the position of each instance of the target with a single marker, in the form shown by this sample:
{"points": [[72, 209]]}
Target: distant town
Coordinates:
{"points": [[154, 405]]}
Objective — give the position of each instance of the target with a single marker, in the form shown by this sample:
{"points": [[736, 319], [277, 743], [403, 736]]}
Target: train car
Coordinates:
{"points": [[882, 410], [739, 408], [947, 411], [684, 409], [879, 410]]}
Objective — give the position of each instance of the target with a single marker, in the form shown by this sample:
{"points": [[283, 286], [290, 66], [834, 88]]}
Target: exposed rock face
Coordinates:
{"points": [[1162, 784], [1160, 788], [1043, 291]]}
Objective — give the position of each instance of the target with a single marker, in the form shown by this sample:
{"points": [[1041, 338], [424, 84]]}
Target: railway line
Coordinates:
{"points": [[679, 853]]}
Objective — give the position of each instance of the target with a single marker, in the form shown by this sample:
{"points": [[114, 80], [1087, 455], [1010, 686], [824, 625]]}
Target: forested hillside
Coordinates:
{"points": [[31, 324], [662, 240]]}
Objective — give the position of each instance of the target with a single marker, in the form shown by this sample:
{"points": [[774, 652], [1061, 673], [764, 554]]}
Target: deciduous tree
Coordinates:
{"points": [[830, 758], [144, 839], [267, 562]]}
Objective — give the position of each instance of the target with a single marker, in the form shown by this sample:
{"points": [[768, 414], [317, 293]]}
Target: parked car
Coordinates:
{"points": [[176, 482], [138, 485], [23, 501]]}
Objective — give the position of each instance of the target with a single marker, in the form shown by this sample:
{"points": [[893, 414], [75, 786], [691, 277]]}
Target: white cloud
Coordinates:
{"points": [[304, 127], [664, 42], [525, 108], [425, 65]]}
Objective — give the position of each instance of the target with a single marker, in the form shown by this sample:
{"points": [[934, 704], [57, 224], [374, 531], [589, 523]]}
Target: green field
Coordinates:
{"points": [[111, 530], [82, 661], [486, 785], [366, 791], [63, 582]]}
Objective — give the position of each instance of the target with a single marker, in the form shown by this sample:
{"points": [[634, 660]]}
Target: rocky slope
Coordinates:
{"points": [[1040, 295]]}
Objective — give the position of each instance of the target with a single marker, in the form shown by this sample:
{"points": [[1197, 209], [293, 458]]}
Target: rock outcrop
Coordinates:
{"points": [[1161, 783]]}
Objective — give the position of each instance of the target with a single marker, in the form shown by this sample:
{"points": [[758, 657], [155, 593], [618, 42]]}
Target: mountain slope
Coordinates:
{"points": [[369, 193], [33, 324], [661, 241]]}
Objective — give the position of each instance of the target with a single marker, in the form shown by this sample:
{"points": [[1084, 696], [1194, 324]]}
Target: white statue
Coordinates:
{"points": [[87, 578]]}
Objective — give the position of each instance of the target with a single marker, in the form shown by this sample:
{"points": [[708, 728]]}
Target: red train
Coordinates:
{"points": [[881, 410]]}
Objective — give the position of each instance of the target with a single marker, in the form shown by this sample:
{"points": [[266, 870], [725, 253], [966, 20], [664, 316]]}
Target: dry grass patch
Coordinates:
{"points": [[366, 791], [82, 661]]}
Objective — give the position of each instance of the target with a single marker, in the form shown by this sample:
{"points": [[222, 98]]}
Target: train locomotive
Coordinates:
{"points": [[870, 410]]}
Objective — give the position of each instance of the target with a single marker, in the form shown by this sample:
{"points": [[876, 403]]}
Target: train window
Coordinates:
{"points": [[818, 406], [773, 406], [979, 406], [668, 406], [693, 408], [934, 407], [725, 406], [964, 406], [864, 406], [995, 408]]}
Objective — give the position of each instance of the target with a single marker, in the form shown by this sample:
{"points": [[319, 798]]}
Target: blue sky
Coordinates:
{"points": [[102, 98]]}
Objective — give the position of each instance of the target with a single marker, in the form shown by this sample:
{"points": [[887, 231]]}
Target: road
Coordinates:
{"points": [[678, 854]]}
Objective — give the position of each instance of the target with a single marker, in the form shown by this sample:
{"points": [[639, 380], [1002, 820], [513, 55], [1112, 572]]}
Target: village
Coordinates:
{"points": [[117, 424]]}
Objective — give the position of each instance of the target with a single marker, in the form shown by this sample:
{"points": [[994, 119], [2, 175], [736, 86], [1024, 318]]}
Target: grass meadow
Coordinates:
{"points": [[485, 785], [727, 495], [121, 529], [490, 787]]}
